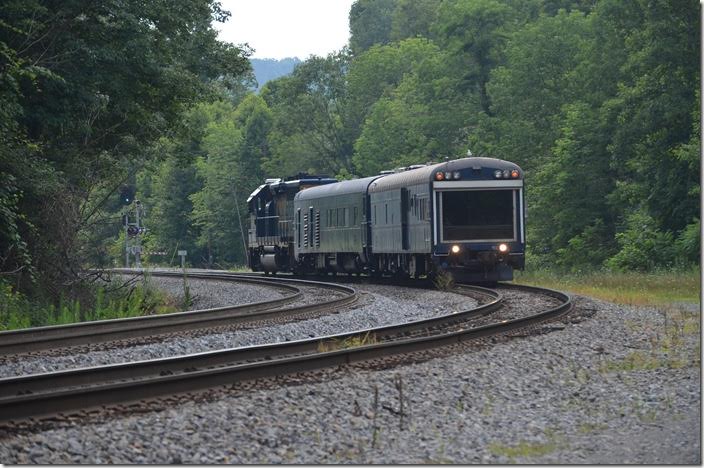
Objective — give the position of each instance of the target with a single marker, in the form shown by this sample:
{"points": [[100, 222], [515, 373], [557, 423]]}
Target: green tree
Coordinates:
{"points": [[370, 23], [89, 88], [378, 71], [170, 187], [643, 246], [235, 145], [474, 34], [214, 206], [311, 130], [527, 92], [169, 209], [572, 223], [421, 119], [255, 119], [655, 108], [413, 18]]}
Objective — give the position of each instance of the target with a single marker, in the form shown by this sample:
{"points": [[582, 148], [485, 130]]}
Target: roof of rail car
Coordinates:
{"points": [[340, 188], [279, 185], [425, 174]]}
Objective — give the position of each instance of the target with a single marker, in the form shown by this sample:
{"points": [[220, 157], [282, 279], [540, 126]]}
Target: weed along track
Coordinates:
{"points": [[139, 329], [47, 394]]}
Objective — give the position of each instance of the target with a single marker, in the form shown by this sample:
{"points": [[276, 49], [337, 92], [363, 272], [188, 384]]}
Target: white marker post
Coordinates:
{"points": [[186, 292]]}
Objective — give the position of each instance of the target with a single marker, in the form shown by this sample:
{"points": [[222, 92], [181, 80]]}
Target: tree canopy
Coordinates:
{"points": [[597, 101], [87, 89]]}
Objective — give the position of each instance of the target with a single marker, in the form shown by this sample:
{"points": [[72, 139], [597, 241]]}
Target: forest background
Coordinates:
{"points": [[598, 101]]}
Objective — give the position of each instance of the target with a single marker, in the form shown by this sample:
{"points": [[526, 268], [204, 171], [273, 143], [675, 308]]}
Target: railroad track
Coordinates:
{"points": [[83, 389], [62, 336]]}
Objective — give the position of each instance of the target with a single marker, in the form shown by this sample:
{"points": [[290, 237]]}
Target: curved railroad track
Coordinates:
{"points": [[62, 336], [80, 389]]}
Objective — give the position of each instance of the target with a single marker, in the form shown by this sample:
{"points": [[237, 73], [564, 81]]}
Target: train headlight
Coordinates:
{"points": [[456, 175], [448, 175], [515, 173], [507, 173], [439, 176], [503, 248], [498, 174], [455, 249]]}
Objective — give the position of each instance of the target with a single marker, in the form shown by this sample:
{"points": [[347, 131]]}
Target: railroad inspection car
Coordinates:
{"points": [[465, 216]]}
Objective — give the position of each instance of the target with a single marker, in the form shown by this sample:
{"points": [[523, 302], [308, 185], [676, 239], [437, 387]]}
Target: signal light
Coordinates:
{"points": [[439, 176], [132, 231], [127, 194], [515, 174]]}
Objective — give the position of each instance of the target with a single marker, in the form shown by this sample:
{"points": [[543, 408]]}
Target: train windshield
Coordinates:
{"points": [[478, 215]]}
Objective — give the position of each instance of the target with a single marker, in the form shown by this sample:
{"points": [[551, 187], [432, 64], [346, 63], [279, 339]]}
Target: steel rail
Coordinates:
{"points": [[33, 383], [59, 336], [301, 356]]}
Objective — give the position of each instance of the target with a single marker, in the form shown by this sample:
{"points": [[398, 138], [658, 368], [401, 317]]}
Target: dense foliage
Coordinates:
{"points": [[86, 90], [597, 101]]}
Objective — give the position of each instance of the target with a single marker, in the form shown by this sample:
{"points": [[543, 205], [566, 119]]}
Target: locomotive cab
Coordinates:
{"points": [[478, 221], [270, 245]]}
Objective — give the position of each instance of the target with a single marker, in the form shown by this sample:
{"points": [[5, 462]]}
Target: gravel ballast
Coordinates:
{"points": [[618, 387], [208, 294], [379, 305]]}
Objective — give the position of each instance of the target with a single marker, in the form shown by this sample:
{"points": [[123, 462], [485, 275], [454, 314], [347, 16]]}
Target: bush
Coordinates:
{"points": [[10, 303], [16, 311], [586, 251], [642, 246], [688, 243]]}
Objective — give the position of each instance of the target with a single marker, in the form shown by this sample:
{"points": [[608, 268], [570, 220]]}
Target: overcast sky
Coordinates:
{"points": [[287, 28]]}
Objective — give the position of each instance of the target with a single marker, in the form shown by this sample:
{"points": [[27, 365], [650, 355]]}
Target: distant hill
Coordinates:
{"points": [[270, 69]]}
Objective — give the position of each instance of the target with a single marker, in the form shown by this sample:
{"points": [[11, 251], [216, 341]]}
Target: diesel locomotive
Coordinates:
{"points": [[465, 216]]}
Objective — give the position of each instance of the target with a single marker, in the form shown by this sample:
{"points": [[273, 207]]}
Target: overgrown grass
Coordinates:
{"points": [[655, 289], [673, 345], [589, 428], [673, 341], [642, 361], [523, 449], [354, 341], [444, 281], [17, 312]]}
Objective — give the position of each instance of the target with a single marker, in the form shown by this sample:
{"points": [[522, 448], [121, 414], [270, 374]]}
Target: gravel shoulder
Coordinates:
{"points": [[621, 386], [209, 294], [379, 305]]}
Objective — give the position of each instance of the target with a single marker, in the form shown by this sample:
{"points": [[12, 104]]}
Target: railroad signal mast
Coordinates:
{"points": [[133, 233]]}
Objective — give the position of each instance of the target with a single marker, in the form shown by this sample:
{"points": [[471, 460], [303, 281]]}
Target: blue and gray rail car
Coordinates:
{"points": [[465, 216]]}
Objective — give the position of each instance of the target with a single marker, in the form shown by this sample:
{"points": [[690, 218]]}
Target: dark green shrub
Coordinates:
{"points": [[643, 247], [688, 243], [587, 250]]}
